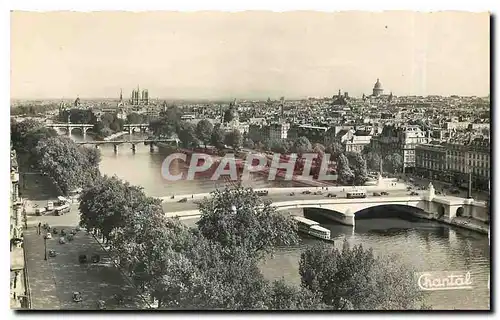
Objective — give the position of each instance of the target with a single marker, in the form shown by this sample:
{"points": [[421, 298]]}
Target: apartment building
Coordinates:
{"points": [[402, 140], [452, 162], [315, 134]]}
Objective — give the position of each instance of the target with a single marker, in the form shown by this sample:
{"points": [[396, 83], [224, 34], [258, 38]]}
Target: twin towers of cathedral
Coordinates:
{"points": [[138, 97]]}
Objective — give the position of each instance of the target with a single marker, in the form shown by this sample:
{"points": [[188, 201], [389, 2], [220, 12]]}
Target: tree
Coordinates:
{"points": [[373, 160], [279, 146], [345, 174], [93, 156], [229, 115], [204, 130], [117, 125], [334, 149], [248, 143], [233, 139], [393, 163], [353, 278], [61, 159], [286, 297], [107, 204], [217, 138], [359, 169], [187, 135], [134, 118], [239, 218], [302, 145], [78, 116]]}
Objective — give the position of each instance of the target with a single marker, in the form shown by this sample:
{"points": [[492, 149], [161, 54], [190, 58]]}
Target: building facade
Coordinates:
{"points": [[313, 133], [18, 292], [402, 140], [452, 162], [278, 131]]}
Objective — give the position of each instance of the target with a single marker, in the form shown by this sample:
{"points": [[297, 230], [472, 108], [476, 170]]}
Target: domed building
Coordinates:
{"points": [[377, 89]]}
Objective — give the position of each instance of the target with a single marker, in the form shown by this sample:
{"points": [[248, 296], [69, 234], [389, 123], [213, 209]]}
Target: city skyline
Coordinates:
{"points": [[252, 55]]}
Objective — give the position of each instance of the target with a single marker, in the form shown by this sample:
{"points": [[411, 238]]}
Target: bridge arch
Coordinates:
{"points": [[441, 211], [388, 211]]}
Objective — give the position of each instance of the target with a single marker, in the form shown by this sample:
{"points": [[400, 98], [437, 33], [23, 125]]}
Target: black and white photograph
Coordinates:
{"points": [[250, 161]]}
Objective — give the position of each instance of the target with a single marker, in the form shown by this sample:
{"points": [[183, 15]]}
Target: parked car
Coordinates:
{"points": [[82, 258], [48, 235], [183, 200], [384, 193], [101, 305], [77, 296], [376, 194], [306, 192], [62, 240], [52, 253], [331, 195], [96, 258]]}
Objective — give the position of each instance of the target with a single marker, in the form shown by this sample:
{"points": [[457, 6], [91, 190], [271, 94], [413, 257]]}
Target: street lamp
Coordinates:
{"points": [[45, 245]]}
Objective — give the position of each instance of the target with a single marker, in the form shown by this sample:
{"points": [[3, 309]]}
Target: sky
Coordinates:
{"points": [[251, 55]]}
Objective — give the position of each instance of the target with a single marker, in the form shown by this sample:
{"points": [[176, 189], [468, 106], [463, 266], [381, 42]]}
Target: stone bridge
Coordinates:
{"points": [[133, 143], [344, 210], [69, 127]]}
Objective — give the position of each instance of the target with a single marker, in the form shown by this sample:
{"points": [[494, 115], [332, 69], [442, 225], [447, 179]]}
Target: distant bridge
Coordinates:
{"points": [[115, 143], [69, 127]]}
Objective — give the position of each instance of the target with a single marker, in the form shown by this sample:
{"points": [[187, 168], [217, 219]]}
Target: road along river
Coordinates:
{"points": [[428, 245]]}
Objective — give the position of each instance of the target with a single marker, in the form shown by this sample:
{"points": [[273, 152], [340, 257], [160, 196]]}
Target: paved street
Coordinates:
{"points": [[52, 282], [192, 205]]}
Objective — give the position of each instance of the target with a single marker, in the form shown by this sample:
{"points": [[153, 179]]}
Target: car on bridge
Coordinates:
{"points": [[183, 200], [306, 192], [376, 194], [384, 193], [331, 195], [413, 193], [262, 193]]}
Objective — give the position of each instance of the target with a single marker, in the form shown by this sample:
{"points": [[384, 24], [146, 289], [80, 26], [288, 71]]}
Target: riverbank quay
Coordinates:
{"points": [[115, 135], [53, 281]]}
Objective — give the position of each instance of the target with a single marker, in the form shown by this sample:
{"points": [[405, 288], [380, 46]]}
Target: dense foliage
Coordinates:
{"points": [[215, 266], [60, 158], [33, 109]]}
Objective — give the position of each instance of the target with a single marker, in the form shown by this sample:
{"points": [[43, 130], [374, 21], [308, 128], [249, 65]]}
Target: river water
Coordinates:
{"points": [[427, 245]]}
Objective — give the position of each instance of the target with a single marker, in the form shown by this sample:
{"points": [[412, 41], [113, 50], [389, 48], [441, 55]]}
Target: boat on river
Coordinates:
{"points": [[312, 228]]}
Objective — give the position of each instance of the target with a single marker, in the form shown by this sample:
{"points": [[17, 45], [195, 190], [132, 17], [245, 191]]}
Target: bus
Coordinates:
{"points": [[356, 194]]}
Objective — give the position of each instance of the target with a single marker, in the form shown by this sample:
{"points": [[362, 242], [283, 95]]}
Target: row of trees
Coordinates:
{"points": [[105, 125], [32, 109], [59, 157], [215, 266], [190, 135]]}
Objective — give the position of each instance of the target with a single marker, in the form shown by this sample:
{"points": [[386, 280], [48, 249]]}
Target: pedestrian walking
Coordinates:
{"points": [[39, 226]]}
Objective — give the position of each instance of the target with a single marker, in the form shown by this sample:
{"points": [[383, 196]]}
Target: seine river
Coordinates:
{"points": [[427, 245]]}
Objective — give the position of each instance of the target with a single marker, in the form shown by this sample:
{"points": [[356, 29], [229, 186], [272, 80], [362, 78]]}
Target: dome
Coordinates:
{"points": [[377, 85]]}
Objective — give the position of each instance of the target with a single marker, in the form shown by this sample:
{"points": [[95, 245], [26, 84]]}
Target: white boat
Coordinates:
{"points": [[312, 228]]}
